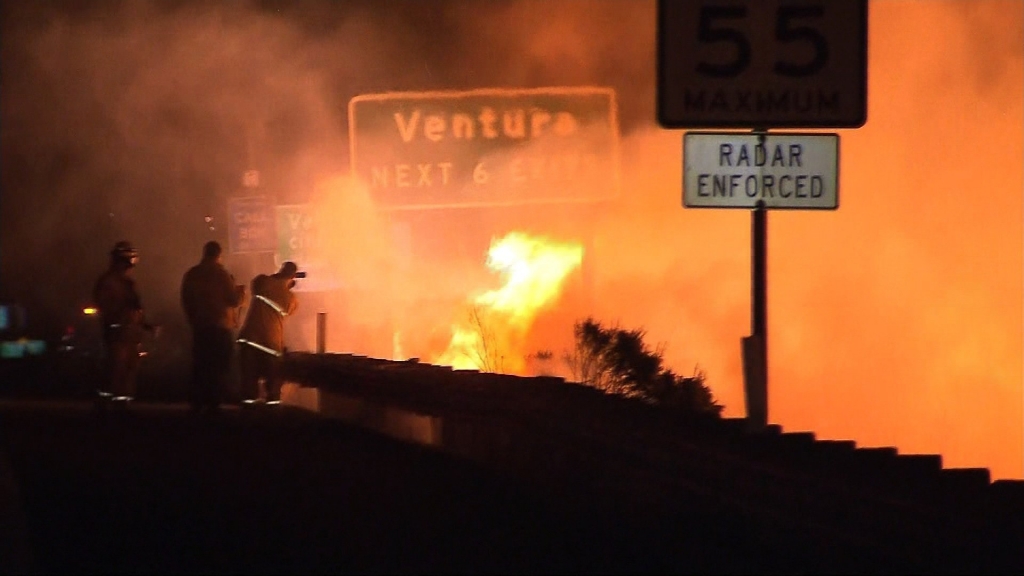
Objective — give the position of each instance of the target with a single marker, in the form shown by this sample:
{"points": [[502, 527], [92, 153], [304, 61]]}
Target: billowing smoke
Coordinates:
{"points": [[895, 320]]}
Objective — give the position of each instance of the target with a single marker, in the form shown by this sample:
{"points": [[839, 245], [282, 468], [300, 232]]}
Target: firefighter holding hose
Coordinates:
{"points": [[261, 338]]}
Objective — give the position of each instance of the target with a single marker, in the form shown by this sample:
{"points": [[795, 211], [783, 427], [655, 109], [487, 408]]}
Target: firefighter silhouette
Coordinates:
{"points": [[123, 324], [209, 297], [261, 338]]}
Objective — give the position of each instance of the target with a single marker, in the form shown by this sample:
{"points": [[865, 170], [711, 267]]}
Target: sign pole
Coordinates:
{"points": [[757, 407], [758, 411], [321, 332]]}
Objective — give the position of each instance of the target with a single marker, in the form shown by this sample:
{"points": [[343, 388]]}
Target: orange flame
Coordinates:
{"points": [[534, 271]]}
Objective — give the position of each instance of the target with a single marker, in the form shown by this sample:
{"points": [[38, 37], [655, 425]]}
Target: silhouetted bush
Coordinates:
{"points": [[619, 362]]}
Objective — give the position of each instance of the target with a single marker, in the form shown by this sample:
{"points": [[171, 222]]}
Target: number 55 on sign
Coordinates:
{"points": [[762, 63]]}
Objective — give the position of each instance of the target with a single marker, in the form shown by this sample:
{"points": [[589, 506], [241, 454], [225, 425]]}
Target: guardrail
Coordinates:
{"points": [[790, 494]]}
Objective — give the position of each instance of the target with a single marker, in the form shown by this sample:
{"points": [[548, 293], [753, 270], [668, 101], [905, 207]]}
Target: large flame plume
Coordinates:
{"points": [[533, 271]]}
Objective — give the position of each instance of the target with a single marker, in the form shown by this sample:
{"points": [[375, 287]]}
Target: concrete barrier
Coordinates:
{"points": [[15, 547], [392, 421], [967, 478], [304, 397], [512, 424]]}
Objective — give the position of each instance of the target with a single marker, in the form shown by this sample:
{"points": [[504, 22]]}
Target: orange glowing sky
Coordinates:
{"points": [[895, 320]]}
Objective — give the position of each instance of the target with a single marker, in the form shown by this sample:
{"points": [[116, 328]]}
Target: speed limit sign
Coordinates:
{"points": [[762, 63]]}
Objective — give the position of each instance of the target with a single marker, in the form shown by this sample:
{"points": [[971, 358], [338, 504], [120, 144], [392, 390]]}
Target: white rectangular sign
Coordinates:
{"points": [[785, 170]]}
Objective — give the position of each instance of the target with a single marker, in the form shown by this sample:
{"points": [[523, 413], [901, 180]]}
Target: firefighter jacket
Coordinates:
{"points": [[119, 305], [209, 296], [272, 300]]}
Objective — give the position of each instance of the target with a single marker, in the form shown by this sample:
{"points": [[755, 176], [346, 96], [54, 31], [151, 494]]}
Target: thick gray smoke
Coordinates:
{"points": [[894, 320], [136, 119]]}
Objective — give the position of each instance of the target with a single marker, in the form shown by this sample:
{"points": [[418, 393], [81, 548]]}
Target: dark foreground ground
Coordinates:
{"points": [[157, 490], [568, 481]]}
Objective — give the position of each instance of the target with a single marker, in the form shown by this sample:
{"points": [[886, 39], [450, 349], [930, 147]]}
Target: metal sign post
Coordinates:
{"points": [[321, 332], [757, 395]]}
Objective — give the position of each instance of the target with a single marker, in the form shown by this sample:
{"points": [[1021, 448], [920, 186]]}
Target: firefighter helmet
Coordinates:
{"points": [[125, 252]]}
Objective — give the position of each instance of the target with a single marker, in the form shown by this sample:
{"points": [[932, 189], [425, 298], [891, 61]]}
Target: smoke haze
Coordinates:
{"points": [[895, 320]]}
